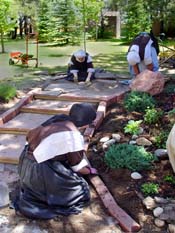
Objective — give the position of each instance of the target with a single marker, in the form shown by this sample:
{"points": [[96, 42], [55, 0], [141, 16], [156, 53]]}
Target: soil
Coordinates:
{"points": [[125, 190]]}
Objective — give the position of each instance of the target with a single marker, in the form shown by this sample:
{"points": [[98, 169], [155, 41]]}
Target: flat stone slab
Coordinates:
{"points": [[49, 104], [11, 147], [96, 89], [26, 121]]}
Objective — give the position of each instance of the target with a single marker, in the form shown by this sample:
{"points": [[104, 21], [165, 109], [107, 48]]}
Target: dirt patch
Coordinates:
{"points": [[126, 191]]}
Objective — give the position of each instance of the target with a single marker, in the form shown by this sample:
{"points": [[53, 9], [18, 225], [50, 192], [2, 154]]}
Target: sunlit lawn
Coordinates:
{"points": [[107, 55]]}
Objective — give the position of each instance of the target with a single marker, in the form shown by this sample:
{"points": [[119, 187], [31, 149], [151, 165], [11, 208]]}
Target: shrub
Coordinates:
{"points": [[152, 115], [150, 188], [171, 115], [7, 92], [133, 157], [138, 101], [133, 127], [169, 89], [160, 140], [169, 178]]}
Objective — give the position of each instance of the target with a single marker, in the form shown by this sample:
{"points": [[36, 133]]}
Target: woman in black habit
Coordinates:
{"points": [[52, 166]]}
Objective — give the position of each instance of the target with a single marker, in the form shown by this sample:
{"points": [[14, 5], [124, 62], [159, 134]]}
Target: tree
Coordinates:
{"points": [[5, 20], [137, 19]]}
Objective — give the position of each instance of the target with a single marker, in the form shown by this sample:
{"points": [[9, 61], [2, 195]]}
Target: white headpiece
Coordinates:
{"points": [[80, 53]]}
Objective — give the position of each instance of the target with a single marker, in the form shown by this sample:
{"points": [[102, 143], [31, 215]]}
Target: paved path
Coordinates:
{"points": [[57, 97]]}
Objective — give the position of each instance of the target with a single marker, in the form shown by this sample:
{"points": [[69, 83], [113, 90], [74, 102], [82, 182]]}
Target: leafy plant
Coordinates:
{"points": [[152, 116], [169, 89], [133, 127], [138, 101], [160, 140], [170, 179], [133, 157], [171, 115], [7, 92], [149, 188]]}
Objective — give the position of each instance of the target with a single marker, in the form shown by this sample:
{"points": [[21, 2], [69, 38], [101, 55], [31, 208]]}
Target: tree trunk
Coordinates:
{"points": [[2, 42]]}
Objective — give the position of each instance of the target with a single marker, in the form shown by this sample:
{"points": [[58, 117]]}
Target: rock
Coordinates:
{"points": [[149, 202], [136, 175], [160, 200], [143, 142], [140, 130], [108, 143], [148, 81], [168, 213], [161, 153], [171, 228], [171, 147], [4, 194], [134, 137], [159, 223], [116, 136], [132, 142], [105, 139], [157, 211]]}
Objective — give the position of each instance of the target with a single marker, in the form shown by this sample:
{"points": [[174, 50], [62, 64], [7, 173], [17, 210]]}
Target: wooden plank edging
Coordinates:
{"points": [[125, 221], [44, 111], [12, 112]]}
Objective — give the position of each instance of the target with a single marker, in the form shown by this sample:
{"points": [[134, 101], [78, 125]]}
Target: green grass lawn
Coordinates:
{"points": [[109, 55]]}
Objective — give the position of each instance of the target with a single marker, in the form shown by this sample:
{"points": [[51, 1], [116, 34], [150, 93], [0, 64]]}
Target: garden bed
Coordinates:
{"points": [[127, 191]]}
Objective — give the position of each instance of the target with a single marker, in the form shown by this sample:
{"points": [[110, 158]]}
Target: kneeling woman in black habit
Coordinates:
{"points": [[52, 166]]}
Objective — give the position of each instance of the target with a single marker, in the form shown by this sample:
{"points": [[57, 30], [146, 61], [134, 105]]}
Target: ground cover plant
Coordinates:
{"points": [[117, 163], [7, 92]]}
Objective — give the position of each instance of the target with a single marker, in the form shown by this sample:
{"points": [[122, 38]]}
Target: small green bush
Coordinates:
{"points": [[133, 157], [152, 115], [7, 92], [160, 140], [169, 178], [138, 101], [169, 89], [133, 127], [150, 188], [171, 115]]}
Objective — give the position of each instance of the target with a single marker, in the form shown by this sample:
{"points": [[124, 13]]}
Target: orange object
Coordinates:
{"points": [[15, 54]]}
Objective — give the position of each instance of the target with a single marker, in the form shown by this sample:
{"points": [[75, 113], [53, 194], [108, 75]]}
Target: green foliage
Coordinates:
{"points": [[150, 188], [152, 116], [133, 127], [160, 140], [5, 24], [133, 157], [171, 116], [169, 89], [7, 92], [138, 101], [137, 18], [169, 178]]}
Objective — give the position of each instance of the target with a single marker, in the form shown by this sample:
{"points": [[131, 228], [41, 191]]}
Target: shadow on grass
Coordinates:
{"points": [[112, 62]]}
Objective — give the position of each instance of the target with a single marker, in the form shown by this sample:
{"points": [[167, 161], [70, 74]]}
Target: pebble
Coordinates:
{"points": [[149, 202], [136, 175], [159, 223], [104, 139], [116, 136], [157, 211]]}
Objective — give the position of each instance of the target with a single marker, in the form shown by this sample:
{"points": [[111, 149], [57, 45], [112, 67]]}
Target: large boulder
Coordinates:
{"points": [[148, 81], [170, 144]]}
